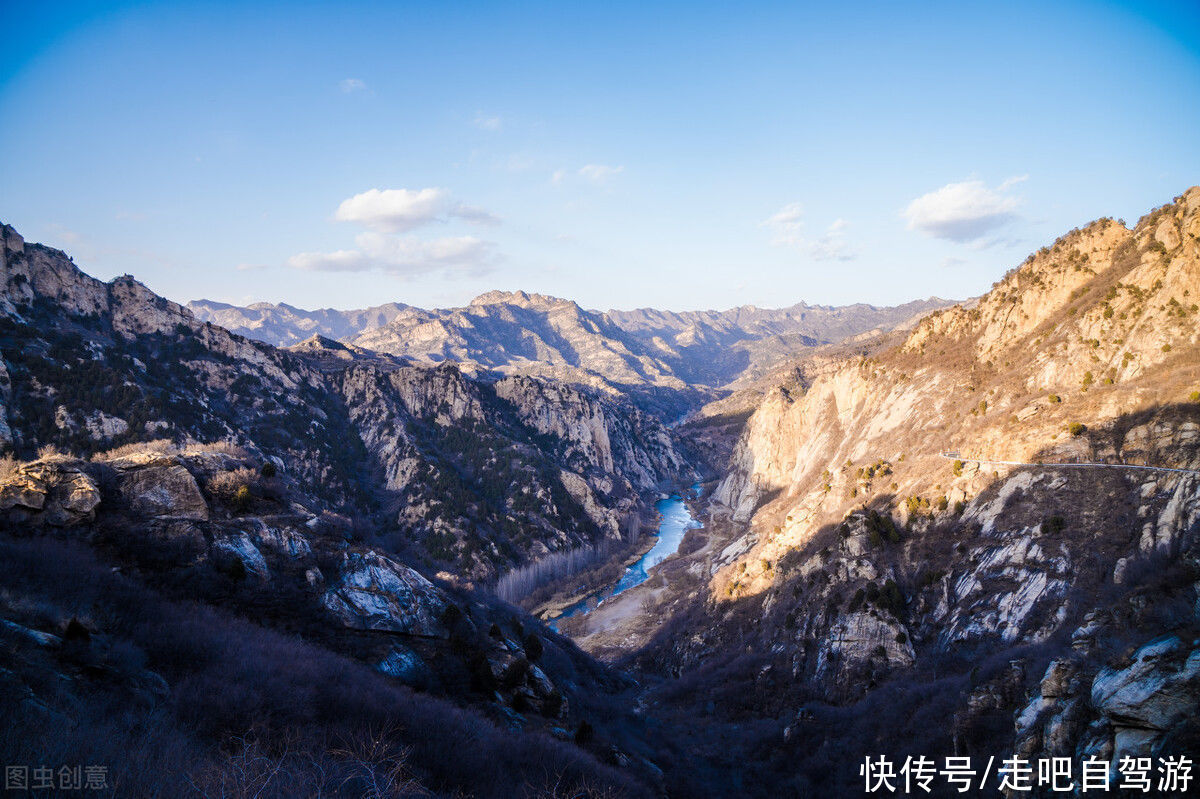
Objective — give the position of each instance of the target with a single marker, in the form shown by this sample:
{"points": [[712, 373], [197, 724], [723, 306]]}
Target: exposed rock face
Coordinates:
{"points": [[520, 455], [241, 547], [617, 440], [860, 645], [405, 665], [377, 593]]}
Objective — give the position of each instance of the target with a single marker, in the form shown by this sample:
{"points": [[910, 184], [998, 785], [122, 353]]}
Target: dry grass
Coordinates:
{"points": [[224, 447], [161, 446]]}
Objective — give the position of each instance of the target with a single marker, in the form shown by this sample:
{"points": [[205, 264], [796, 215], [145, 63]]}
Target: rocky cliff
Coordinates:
{"points": [[857, 543]]}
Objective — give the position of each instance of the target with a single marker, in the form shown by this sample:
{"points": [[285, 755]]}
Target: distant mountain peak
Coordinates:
{"points": [[523, 299]]}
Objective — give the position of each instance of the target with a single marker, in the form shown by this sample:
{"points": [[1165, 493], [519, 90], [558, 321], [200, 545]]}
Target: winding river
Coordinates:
{"points": [[675, 521]]}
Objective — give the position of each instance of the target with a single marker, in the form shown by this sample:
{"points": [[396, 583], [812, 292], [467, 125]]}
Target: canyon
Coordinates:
{"points": [[255, 530]]}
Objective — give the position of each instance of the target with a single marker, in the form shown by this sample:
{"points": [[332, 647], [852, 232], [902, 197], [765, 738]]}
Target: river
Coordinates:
{"points": [[675, 521]]}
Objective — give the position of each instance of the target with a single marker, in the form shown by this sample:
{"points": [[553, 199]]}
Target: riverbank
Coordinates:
{"points": [[675, 520], [554, 608]]}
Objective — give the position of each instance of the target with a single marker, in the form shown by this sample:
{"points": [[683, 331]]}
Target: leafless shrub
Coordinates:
{"points": [[378, 765], [224, 447], [246, 770], [558, 786], [49, 452], [8, 467], [225, 485]]}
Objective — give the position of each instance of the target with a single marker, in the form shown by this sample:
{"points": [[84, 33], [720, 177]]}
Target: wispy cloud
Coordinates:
{"points": [[964, 212], [832, 245], [787, 230], [400, 210], [485, 122], [404, 256], [352, 86], [599, 173]]}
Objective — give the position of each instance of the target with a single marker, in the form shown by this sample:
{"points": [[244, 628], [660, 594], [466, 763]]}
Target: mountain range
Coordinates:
{"points": [[666, 355]]}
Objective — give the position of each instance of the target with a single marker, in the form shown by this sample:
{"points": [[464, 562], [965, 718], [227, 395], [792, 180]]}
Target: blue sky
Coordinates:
{"points": [[675, 155]]}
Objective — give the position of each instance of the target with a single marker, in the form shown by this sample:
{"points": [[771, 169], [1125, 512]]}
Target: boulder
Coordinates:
{"points": [[161, 487], [23, 490], [377, 593], [284, 541]]}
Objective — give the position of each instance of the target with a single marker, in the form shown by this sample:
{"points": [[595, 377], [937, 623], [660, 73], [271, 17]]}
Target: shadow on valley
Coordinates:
{"points": [[178, 697]]}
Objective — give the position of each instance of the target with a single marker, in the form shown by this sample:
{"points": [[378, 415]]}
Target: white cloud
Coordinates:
{"points": [[403, 256], [399, 210], [559, 176], [964, 212], [386, 212], [599, 173], [787, 227], [485, 122], [352, 85], [393, 210]]}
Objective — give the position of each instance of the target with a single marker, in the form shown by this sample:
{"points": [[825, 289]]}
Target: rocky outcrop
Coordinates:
{"points": [[50, 492], [860, 646], [243, 549], [1145, 699], [1126, 709]]}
